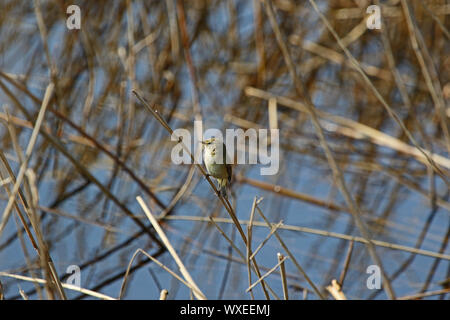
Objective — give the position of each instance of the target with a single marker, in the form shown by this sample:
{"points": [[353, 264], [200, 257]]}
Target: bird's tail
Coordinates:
{"points": [[223, 187]]}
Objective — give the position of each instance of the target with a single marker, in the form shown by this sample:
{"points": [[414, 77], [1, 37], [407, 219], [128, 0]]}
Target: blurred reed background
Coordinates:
{"points": [[364, 145]]}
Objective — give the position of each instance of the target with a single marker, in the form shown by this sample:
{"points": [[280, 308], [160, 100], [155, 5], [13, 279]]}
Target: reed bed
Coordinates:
{"points": [[88, 127]]}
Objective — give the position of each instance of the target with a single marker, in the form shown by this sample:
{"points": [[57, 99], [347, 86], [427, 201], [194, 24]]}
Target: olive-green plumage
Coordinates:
{"points": [[215, 161]]}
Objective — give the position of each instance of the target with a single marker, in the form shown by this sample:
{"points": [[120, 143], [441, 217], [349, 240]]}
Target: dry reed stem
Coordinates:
{"points": [[250, 256], [346, 263], [179, 194], [272, 231], [231, 242], [85, 139], [425, 294], [78, 165], [265, 275], [273, 116], [28, 153], [160, 264], [197, 292], [65, 285], [378, 95], [43, 252], [355, 129], [187, 54], [323, 233], [428, 71], [299, 268], [244, 258], [224, 201], [44, 38], [21, 216], [283, 276], [163, 294], [95, 223], [335, 290], [163, 266], [223, 71], [337, 173], [21, 198], [389, 12], [249, 246], [436, 19], [85, 172], [23, 294], [290, 193]]}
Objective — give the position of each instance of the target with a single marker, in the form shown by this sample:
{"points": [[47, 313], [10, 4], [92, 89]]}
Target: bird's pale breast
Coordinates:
{"points": [[216, 169]]}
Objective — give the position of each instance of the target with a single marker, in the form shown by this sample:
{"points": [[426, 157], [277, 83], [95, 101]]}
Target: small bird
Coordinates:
{"points": [[218, 169]]}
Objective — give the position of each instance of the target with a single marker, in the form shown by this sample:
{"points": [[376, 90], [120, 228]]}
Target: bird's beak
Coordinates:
{"points": [[203, 142]]}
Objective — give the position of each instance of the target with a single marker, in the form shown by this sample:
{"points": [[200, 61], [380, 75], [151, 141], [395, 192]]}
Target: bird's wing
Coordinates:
{"points": [[228, 165]]}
